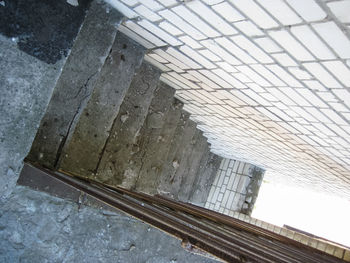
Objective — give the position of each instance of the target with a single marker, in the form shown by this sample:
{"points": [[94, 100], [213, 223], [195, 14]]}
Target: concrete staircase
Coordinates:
{"points": [[110, 119]]}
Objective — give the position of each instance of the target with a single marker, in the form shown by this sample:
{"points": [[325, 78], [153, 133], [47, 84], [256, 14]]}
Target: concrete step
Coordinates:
{"points": [[131, 116], [158, 146], [205, 178], [75, 84], [165, 169], [150, 131], [111, 120], [183, 166], [170, 179], [201, 168], [83, 150], [199, 149]]}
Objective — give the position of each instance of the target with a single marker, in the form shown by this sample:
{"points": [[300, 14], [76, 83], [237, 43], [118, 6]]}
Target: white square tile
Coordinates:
{"points": [[248, 28], [144, 33], [286, 40], [159, 32], [172, 30], [308, 9], [281, 11], [147, 13], [299, 73], [267, 44], [341, 10], [284, 59], [179, 22], [312, 42], [211, 17], [255, 13], [217, 50], [122, 8], [322, 75], [228, 12], [331, 33], [339, 70], [197, 57], [235, 50], [252, 49], [195, 21]]}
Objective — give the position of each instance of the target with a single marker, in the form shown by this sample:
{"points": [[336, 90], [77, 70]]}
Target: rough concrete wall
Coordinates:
{"points": [[34, 43], [36, 227], [26, 85], [75, 84], [235, 188], [83, 149]]}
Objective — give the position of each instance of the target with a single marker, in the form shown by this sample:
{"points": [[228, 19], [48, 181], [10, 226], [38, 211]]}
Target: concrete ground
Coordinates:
{"points": [[37, 227], [26, 84]]}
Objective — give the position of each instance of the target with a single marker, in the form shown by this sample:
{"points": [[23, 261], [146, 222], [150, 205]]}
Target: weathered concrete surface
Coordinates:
{"points": [[36, 227], [26, 85], [201, 188], [170, 180], [200, 171], [43, 29], [252, 190], [165, 170], [131, 116], [158, 146], [76, 82], [81, 154], [183, 165], [198, 150], [160, 105]]}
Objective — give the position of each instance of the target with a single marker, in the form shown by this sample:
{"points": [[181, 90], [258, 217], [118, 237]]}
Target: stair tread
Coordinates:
{"points": [[190, 172], [170, 179], [157, 148], [160, 105], [77, 79], [131, 116], [82, 153]]}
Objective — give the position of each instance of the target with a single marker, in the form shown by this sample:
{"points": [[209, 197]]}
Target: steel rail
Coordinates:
{"points": [[228, 241], [303, 252], [182, 231], [201, 227]]}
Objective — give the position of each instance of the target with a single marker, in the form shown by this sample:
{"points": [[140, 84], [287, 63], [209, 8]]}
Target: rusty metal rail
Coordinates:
{"points": [[224, 237]]}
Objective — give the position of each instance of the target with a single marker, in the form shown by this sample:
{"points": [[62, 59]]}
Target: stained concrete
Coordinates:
{"points": [[168, 165], [252, 190], [199, 149], [131, 116], [200, 170], [183, 165], [201, 189], [170, 180], [82, 153], [160, 105], [36, 227], [26, 85], [43, 29], [76, 82], [157, 148]]}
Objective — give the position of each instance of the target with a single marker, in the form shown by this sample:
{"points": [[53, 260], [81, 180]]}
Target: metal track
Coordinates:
{"points": [[224, 237]]}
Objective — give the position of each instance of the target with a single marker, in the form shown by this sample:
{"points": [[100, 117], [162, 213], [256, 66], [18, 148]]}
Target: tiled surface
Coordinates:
{"points": [[320, 244], [229, 190], [268, 81]]}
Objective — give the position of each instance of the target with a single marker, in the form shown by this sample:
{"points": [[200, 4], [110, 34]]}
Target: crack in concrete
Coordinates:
{"points": [[64, 139]]}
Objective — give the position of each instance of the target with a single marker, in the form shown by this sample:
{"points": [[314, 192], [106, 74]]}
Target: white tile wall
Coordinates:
{"points": [[268, 80], [229, 189]]}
